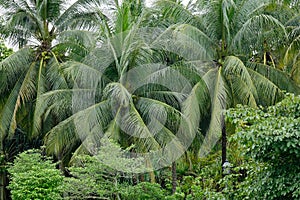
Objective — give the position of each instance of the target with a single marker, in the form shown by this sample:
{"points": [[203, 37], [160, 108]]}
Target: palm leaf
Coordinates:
{"points": [[269, 93], [77, 127], [175, 13], [241, 83], [14, 65], [169, 127], [77, 43], [279, 78], [9, 110], [82, 14], [254, 29], [219, 94]]}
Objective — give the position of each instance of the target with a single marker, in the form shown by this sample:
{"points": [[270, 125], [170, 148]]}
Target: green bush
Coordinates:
{"points": [[33, 176], [270, 139], [143, 191], [99, 176]]}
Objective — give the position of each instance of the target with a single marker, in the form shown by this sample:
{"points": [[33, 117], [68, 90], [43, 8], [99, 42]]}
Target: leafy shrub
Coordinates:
{"points": [[90, 179], [93, 178], [34, 176], [143, 191], [270, 139]]}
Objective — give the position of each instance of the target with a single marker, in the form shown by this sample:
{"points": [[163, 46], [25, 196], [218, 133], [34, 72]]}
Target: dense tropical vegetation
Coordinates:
{"points": [[117, 100]]}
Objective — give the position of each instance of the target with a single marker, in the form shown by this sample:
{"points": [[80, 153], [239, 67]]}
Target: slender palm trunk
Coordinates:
{"points": [[61, 165], [3, 173], [142, 177], [224, 140], [152, 177], [151, 173], [3, 182], [135, 179], [174, 177]]}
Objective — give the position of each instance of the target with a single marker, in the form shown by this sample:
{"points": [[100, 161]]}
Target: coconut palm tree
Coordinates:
{"points": [[222, 40], [123, 91], [47, 34], [230, 35]]}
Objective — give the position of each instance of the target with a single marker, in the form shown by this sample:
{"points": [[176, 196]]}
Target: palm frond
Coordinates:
{"points": [[158, 74], [195, 43], [197, 103], [241, 83], [175, 13], [59, 102], [54, 74], [219, 100], [294, 21], [169, 127], [185, 41], [254, 30], [76, 43], [246, 9], [218, 16], [22, 22], [118, 94], [85, 76], [293, 47], [77, 127], [8, 122], [132, 123], [82, 14], [13, 66], [295, 72], [49, 10], [23, 90], [241, 93], [279, 78], [269, 93]]}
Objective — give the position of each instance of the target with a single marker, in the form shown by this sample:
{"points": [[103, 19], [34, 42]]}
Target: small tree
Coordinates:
{"points": [[34, 176]]}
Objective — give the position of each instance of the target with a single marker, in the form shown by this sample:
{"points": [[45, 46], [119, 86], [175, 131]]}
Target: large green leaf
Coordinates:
{"points": [[219, 100]]}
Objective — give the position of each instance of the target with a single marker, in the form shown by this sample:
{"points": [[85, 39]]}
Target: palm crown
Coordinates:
{"points": [[47, 33]]}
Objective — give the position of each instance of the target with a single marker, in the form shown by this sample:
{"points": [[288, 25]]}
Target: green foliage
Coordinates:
{"points": [[143, 191], [203, 183], [202, 187], [99, 175], [34, 176], [271, 138], [4, 51], [90, 179], [219, 37]]}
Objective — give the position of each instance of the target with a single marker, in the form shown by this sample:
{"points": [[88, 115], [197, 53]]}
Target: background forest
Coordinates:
{"points": [[118, 100]]}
